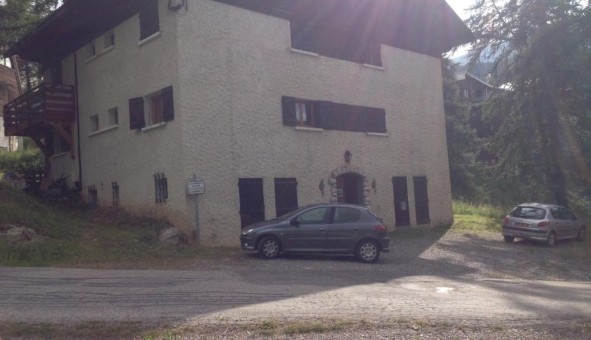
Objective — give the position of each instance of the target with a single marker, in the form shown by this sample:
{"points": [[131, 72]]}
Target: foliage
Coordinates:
{"points": [[542, 54], [461, 138], [21, 161], [17, 17]]}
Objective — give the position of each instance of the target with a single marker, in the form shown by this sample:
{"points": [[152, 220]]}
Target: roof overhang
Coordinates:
{"points": [[72, 25], [424, 26]]}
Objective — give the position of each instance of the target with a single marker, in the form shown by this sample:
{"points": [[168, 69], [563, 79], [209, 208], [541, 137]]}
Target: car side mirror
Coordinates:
{"points": [[295, 222]]}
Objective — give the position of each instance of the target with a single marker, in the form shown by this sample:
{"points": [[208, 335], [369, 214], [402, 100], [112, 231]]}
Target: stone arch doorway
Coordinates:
{"points": [[350, 188], [349, 185]]}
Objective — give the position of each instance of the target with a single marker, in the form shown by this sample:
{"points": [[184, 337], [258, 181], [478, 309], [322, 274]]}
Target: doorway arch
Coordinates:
{"points": [[349, 185]]}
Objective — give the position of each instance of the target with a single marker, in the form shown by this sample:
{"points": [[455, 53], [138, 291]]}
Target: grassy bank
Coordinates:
{"points": [[66, 233]]}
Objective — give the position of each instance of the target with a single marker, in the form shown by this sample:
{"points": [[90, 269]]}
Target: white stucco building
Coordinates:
{"points": [[270, 104]]}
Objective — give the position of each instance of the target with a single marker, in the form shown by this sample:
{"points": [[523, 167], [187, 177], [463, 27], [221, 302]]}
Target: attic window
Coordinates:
{"points": [[90, 51], [109, 39], [149, 21]]}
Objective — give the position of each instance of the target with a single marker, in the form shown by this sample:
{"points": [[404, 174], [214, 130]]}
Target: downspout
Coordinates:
{"points": [[79, 184]]}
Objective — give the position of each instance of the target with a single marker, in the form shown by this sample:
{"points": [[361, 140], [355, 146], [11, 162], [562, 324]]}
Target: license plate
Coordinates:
{"points": [[523, 225]]}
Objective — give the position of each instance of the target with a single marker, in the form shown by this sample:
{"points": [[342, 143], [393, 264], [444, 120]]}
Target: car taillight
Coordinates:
{"points": [[380, 227], [543, 224], [506, 220]]}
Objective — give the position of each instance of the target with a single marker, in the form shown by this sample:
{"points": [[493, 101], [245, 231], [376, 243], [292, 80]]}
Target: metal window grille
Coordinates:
{"points": [[115, 191], [161, 187], [92, 197]]}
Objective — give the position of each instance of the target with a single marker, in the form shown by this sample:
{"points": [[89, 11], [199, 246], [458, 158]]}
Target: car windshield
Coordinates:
{"points": [[529, 213]]}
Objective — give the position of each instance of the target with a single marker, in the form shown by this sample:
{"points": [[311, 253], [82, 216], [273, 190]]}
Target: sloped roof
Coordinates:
{"points": [[424, 26]]}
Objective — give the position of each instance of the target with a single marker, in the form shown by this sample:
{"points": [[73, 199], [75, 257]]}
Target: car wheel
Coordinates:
{"points": [[269, 248], [581, 234], [368, 251], [551, 240], [509, 239]]}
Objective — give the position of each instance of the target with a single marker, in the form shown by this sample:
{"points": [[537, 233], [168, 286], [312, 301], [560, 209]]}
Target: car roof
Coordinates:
{"points": [[540, 205], [335, 204]]}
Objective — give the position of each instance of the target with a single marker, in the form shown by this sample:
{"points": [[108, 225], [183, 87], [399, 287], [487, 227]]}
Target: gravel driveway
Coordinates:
{"points": [[440, 252], [230, 289]]}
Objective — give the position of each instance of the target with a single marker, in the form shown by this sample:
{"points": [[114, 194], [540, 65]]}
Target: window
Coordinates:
{"points": [[314, 216], [161, 187], [94, 123], [304, 113], [109, 39], [92, 197], [333, 116], [115, 193], [286, 195], [90, 50], [151, 110], [113, 116], [149, 21], [421, 200], [346, 215]]}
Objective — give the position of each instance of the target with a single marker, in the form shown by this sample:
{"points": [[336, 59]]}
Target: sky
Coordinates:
{"points": [[459, 6]]}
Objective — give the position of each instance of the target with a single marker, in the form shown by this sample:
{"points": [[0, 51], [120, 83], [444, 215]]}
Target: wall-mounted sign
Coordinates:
{"points": [[195, 187]]}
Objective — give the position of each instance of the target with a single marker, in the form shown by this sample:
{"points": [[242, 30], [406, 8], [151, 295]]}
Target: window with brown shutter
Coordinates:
{"points": [[333, 116]]}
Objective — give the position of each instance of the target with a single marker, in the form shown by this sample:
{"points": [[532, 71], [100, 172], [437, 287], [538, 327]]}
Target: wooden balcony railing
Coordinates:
{"points": [[44, 105]]}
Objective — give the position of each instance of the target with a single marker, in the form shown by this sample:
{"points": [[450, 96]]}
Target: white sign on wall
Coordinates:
{"points": [[195, 187]]}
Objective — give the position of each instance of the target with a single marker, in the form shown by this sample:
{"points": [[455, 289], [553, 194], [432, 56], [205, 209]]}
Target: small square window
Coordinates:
{"points": [[113, 116], [94, 123], [109, 39], [90, 50]]}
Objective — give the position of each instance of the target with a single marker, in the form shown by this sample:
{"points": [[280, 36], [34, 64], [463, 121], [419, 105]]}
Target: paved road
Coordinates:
{"points": [[241, 295]]}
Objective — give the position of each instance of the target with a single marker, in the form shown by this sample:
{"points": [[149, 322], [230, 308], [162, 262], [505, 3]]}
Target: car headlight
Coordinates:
{"points": [[247, 232]]}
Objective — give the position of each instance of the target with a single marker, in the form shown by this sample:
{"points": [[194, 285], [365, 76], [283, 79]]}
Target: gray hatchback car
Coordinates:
{"points": [[320, 228], [542, 222]]}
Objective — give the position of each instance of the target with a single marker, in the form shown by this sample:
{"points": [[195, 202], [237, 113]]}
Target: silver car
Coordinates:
{"points": [[320, 228], [542, 222]]}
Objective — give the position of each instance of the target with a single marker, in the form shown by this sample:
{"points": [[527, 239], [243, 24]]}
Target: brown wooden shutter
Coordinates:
{"points": [[167, 104], [136, 113], [289, 111], [149, 21], [323, 114], [376, 120]]}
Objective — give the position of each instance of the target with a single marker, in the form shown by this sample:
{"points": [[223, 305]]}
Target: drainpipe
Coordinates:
{"points": [[79, 187]]}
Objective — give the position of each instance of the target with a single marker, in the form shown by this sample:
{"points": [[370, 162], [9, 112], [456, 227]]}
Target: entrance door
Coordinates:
{"points": [[350, 188], [252, 200], [401, 201]]}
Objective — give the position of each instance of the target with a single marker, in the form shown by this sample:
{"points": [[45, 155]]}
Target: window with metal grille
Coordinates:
{"points": [[92, 197], [115, 192], [161, 187]]}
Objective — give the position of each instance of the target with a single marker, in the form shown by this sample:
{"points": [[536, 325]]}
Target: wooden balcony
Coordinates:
{"points": [[45, 106]]}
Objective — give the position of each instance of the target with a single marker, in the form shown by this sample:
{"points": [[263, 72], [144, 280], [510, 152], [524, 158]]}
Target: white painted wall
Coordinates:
{"points": [[229, 68]]}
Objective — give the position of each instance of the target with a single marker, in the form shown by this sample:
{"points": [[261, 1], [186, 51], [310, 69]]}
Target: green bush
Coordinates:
{"points": [[20, 161]]}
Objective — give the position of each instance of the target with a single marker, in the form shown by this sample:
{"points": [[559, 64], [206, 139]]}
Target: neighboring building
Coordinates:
{"points": [[9, 89], [474, 92], [271, 104]]}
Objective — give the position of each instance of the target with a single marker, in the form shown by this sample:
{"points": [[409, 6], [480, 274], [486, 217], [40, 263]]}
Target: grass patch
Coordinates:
{"points": [[478, 217], [66, 233]]}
